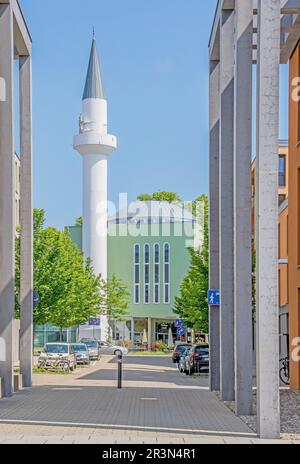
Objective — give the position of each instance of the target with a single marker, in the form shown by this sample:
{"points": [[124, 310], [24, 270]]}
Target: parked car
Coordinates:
{"points": [[178, 350], [58, 356], [93, 347], [110, 348], [198, 360], [82, 353], [182, 360]]}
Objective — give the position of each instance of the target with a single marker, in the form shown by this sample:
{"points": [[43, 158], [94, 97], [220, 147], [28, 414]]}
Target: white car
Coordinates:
{"points": [[109, 348], [58, 356]]}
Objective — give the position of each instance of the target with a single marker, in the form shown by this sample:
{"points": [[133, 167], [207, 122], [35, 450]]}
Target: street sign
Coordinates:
{"points": [[214, 297], [179, 323], [95, 322], [180, 332], [36, 299]]}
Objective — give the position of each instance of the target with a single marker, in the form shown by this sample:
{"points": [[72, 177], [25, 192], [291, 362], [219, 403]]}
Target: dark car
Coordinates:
{"points": [[178, 350], [183, 359], [198, 360]]}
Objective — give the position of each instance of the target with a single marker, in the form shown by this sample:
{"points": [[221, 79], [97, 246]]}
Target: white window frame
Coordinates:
{"points": [[136, 285], [154, 268], [164, 273], [149, 282]]}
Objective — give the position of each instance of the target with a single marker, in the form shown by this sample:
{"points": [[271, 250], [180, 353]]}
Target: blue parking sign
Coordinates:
{"points": [[95, 322], [179, 323], [214, 297], [181, 332]]}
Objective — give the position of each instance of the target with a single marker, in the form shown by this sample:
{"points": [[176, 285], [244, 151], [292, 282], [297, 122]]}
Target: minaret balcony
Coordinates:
{"points": [[94, 143]]}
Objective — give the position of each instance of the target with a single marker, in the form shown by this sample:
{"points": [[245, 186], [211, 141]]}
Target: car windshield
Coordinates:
{"points": [[79, 348], [57, 349], [201, 350], [91, 343], [182, 348]]}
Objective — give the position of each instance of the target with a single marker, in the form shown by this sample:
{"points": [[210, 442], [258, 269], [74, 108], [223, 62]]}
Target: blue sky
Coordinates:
{"points": [[154, 60]]}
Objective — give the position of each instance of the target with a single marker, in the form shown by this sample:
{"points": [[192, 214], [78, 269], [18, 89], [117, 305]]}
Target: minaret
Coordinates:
{"points": [[95, 145]]}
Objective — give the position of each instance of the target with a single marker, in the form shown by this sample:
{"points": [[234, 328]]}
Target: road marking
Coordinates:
{"points": [[66, 389]]}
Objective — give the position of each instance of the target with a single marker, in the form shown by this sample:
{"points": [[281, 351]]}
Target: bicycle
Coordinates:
{"points": [[284, 372]]}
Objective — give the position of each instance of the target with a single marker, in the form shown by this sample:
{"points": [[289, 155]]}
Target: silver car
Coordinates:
{"points": [[110, 349], [93, 347], [82, 353], [57, 356]]}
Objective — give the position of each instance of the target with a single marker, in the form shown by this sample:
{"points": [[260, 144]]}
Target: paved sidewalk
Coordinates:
{"points": [[156, 405]]}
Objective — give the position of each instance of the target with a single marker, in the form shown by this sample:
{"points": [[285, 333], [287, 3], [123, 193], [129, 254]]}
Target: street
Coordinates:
{"points": [[156, 405]]}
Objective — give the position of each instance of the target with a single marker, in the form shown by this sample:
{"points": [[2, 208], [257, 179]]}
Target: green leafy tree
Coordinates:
{"points": [[70, 293], [145, 197], [192, 305], [115, 300], [79, 221], [170, 197]]}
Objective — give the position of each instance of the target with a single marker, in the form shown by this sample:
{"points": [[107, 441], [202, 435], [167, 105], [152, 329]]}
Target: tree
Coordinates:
{"points": [[169, 197], [70, 293], [79, 221], [192, 305], [145, 197], [116, 300]]}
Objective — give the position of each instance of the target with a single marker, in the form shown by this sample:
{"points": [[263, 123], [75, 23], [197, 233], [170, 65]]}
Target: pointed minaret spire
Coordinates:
{"points": [[95, 145], [93, 85]]}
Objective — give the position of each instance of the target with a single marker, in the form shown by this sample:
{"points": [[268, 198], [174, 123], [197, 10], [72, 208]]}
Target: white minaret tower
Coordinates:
{"points": [[95, 145]]}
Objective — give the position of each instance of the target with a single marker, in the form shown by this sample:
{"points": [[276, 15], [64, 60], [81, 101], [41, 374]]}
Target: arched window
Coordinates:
{"points": [[166, 273], [147, 274], [136, 274], [156, 273]]}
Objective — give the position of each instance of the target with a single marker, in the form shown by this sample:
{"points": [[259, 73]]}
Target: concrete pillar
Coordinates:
{"points": [[26, 279], [7, 222], [226, 206], [243, 205], [267, 218], [149, 333], [214, 281]]}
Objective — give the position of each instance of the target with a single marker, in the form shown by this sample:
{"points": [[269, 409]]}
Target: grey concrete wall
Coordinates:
{"points": [[26, 220], [243, 205], [226, 206], [7, 232], [267, 218], [214, 255]]}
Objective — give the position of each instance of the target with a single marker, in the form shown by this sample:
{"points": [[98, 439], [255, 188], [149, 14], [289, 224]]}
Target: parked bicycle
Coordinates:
{"points": [[284, 372]]}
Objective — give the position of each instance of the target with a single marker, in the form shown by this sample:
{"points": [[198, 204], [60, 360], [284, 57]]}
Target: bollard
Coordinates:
{"points": [[120, 362]]}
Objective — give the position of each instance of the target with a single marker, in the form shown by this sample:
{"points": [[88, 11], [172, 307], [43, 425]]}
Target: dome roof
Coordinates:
{"points": [[153, 212]]}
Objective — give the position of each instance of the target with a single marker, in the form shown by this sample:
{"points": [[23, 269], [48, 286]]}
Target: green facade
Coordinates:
{"points": [[121, 246]]}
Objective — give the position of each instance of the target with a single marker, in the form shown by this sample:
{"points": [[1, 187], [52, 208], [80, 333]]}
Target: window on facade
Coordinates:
{"points": [[136, 274], [166, 273], [156, 273], [147, 274], [282, 170]]}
